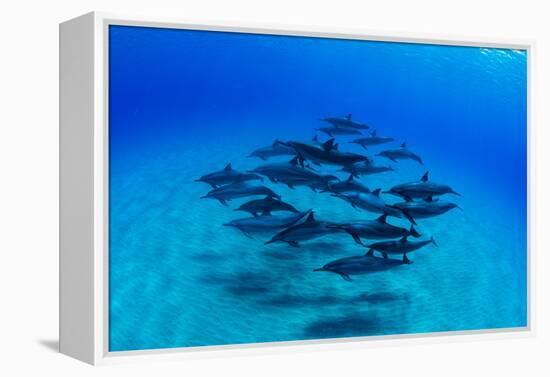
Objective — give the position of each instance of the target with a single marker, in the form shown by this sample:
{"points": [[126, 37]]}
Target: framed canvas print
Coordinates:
{"points": [[229, 188]]}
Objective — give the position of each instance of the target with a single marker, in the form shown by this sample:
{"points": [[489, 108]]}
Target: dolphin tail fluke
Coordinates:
{"points": [[432, 240]]}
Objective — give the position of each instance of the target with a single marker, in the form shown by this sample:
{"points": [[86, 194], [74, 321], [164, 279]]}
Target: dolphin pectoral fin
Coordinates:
{"points": [[406, 260], [313, 188], [370, 253], [273, 180], [385, 255], [294, 243], [364, 146], [357, 239], [346, 277], [247, 234], [213, 185], [266, 212], [223, 201], [290, 186], [409, 217]]}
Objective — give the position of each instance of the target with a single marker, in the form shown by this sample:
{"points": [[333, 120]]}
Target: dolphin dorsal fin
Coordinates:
{"points": [[310, 218], [348, 117], [403, 240], [228, 167], [328, 145], [350, 178], [424, 177], [376, 192], [275, 142], [404, 145], [373, 133], [294, 161], [382, 219]]}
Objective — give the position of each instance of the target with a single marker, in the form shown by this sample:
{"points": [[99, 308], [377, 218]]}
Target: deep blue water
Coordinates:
{"points": [[186, 103]]}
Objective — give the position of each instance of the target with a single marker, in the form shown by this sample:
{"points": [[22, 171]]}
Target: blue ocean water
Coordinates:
{"points": [[186, 103]]}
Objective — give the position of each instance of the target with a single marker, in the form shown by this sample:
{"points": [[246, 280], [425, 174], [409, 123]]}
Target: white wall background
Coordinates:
{"points": [[29, 183]]}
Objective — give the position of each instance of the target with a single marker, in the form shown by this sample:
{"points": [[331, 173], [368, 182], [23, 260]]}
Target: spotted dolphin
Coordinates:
{"points": [[346, 122], [359, 265], [377, 229], [226, 176], [265, 206], [292, 174], [274, 150], [307, 230], [238, 190], [371, 140], [366, 168], [266, 223], [402, 153], [426, 208], [342, 131], [326, 153], [349, 185], [402, 246], [373, 203], [422, 189]]}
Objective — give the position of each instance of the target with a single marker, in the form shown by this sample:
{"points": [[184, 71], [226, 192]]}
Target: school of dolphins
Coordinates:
{"points": [[418, 200]]}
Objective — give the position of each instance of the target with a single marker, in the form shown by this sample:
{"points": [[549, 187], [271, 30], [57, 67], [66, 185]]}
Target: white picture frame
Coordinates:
{"points": [[84, 191]]}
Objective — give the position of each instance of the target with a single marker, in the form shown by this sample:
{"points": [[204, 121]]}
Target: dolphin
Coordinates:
{"points": [[426, 208], [422, 189], [402, 246], [377, 229], [334, 131], [349, 185], [266, 223], [226, 176], [345, 122], [265, 206], [373, 203], [359, 265], [292, 175], [326, 153], [307, 230], [401, 154], [273, 150], [371, 140], [365, 168], [238, 190]]}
